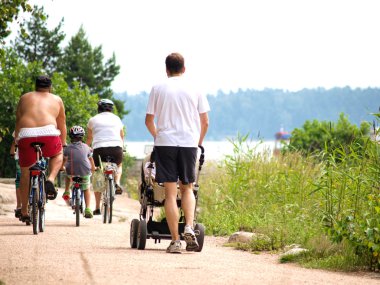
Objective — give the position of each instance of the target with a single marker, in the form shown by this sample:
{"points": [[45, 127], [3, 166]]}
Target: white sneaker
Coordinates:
{"points": [[190, 239], [174, 247]]}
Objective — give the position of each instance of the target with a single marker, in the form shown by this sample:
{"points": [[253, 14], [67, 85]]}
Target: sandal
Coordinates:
{"points": [[51, 192], [18, 213], [118, 190], [25, 219]]}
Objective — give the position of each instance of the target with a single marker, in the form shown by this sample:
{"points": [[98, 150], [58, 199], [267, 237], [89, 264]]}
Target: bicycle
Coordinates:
{"points": [[37, 196], [109, 169], [77, 198]]}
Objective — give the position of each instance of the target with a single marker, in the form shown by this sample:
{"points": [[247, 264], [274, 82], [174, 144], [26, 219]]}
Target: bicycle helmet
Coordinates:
{"points": [[77, 132], [105, 105]]}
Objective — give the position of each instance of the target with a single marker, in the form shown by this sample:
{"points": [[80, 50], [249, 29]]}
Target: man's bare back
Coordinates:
{"points": [[38, 109], [39, 116]]}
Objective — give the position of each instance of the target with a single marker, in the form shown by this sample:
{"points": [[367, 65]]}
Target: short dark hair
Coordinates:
{"points": [[174, 62], [43, 82]]}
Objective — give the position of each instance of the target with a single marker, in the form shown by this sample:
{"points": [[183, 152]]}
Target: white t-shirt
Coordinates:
{"points": [[106, 128], [176, 107]]}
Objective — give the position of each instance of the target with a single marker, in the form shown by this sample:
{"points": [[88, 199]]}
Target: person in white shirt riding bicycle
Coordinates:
{"points": [[105, 133]]}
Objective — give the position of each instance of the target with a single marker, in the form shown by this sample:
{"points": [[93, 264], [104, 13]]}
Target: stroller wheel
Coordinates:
{"points": [[199, 230], [133, 233], [141, 235]]}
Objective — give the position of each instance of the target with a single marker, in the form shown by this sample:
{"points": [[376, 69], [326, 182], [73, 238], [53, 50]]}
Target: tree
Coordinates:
{"points": [[79, 104], [84, 64], [40, 44]]}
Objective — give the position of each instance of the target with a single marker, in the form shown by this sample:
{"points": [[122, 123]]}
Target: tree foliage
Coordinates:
{"points": [[315, 136], [80, 104], [9, 12], [82, 63], [40, 43]]}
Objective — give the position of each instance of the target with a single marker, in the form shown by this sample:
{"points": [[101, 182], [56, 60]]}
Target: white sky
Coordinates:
{"points": [[231, 44]]}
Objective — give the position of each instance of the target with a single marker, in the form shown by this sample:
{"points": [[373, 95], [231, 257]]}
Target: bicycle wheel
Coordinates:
{"points": [[41, 218], [111, 198], [77, 207], [35, 218], [105, 206], [41, 207]]}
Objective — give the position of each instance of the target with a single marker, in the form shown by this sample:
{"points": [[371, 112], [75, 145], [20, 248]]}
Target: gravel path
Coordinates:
{"points": [[97, 253]]}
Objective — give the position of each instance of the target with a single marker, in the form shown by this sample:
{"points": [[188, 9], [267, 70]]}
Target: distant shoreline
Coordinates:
{"points": [[214, 150]]}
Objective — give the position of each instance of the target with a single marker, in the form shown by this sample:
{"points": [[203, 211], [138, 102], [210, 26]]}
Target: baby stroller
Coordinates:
{"points": [[152, 194]]}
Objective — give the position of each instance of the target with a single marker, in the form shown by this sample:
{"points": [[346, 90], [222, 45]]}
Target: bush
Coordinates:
{"points": [[315, 136]]}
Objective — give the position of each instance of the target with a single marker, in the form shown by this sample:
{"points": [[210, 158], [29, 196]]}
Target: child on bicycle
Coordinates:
{"points": [[78, 161]]}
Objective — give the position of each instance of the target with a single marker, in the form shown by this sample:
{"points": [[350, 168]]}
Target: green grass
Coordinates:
{"points": [[294, 198], [323, 254]]}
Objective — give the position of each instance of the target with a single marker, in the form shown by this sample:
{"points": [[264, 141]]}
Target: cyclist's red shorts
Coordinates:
{"points": [[27, 155]]}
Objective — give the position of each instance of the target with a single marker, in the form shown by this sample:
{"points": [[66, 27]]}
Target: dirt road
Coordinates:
{"points": [[97, 253]]}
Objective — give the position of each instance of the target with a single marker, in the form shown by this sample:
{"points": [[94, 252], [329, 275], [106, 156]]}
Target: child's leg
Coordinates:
{"points": [[85, 186], [87, 197], [66, 195], [67, 183]]}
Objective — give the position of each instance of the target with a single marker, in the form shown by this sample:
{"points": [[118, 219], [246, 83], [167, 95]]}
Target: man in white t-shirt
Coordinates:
{"points": [[105, 133], [181, 124]]}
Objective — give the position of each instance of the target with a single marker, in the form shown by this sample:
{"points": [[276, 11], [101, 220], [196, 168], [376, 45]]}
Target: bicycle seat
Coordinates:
{"points": [[77, 179], [109, 158], [35, 144]]}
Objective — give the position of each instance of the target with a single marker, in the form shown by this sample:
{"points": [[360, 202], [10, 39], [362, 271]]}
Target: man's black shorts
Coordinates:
{"points": [[173, 163], [114, 152]]}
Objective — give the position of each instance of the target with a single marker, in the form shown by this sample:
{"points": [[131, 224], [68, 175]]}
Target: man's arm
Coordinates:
{"points": [[204, 127], [92, 163], [149, 122], [122, 135], [89, 137], [13, 148], [61, 122], [18, 116]]}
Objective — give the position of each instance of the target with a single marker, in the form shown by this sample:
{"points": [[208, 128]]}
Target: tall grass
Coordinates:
{"points": [[351, 184], [296, 199], [255, 192]]}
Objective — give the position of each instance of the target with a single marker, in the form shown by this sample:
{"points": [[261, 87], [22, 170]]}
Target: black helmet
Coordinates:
{"points": [[105, 105], [76, 132]]}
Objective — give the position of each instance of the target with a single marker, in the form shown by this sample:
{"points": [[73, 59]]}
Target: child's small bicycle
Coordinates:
{"points": [[77, 198]]}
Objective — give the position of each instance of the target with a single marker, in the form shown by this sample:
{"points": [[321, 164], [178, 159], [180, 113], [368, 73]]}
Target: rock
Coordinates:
{"points": [[247, 237], [295, 251], [291, 246], [243, 237]]}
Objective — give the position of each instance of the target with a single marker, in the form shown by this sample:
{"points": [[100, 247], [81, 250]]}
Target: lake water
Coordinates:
{"points": [[214, 150]]}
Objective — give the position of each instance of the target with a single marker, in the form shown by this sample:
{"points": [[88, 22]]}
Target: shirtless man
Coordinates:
{"points": [[40, 117]]}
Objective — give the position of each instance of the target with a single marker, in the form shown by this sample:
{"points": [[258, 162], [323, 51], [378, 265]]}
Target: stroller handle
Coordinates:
{"points": [[202, 157]]}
